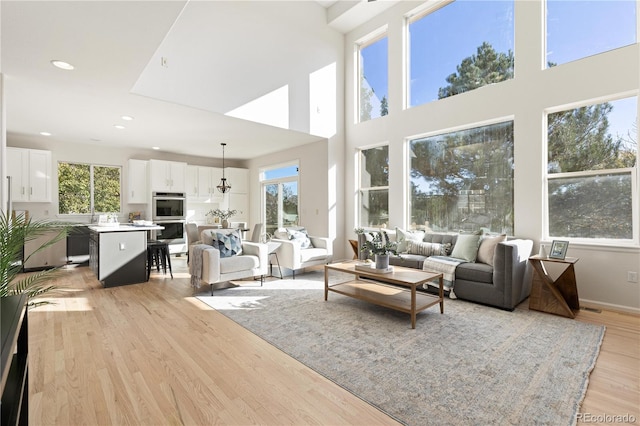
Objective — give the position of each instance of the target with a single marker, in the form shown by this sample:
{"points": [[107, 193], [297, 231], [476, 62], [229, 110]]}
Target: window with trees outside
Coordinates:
{"points": [[88, 188], [578, 29], [373, 189], [458, 47], [591, 171], [373, 77], [463, 180], [280, 197]]}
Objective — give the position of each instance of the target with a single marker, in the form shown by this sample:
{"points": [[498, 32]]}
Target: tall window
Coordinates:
{"points": [[373, 77], [459, 47], [374, 186], [280, 197], [88, 188], [578, 29], [591, 171], [463, 180]]}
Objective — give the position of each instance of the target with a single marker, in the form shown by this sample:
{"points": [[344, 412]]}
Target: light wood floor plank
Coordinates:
{"points": [[149, 354]]}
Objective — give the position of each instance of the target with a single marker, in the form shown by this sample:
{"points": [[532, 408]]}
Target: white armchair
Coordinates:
{"points": [[291, 255], [212, 269]]}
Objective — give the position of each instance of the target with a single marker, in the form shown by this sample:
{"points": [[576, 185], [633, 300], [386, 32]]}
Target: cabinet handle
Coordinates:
{"points": [[22, 189], [132, 192], [31, 190]]}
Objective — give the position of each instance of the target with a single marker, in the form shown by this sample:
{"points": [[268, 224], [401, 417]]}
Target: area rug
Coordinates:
{"points": [[472, 365]]}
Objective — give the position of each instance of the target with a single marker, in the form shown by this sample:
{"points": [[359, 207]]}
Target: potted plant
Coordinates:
{"points": [[380, 246], [14, 232], [223, 215]]}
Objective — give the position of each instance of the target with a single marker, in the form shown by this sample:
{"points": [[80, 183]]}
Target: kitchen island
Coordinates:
{"points": [[118, 253]]}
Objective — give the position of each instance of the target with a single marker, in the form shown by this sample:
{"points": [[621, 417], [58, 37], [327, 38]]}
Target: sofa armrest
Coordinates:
{"points": [[510, 264], [211, 265], [288, 254], [261, 251], [323, 242]]}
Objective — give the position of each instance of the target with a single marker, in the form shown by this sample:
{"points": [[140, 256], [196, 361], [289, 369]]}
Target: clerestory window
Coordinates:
{"points": [[455, 47], [373, 97]]}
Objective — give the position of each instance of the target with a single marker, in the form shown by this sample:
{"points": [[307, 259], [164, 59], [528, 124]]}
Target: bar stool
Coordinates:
{"points": [[158, 252]]}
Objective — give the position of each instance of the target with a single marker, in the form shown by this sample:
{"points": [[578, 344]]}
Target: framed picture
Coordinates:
{"points": [[558, 249]]}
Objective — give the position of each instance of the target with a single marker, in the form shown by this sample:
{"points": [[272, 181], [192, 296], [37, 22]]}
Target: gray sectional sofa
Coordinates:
{"points": [[503, 284]]}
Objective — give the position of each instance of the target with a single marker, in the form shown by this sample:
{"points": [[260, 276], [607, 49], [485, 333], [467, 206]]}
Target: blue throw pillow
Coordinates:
{"points": [[227, 244]]}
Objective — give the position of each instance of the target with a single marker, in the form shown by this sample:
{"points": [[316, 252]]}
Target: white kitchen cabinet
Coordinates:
{"points": [[238, 179], [138, 192], [202, 182], [239, 202], [167, 176], [30, 171]]}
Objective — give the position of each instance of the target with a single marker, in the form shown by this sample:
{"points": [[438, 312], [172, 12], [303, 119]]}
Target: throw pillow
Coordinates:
{"points": [[300, 237], [227, 244], [466, 247], [404, 236], [487, 248], [426, 249], [281, 234]]}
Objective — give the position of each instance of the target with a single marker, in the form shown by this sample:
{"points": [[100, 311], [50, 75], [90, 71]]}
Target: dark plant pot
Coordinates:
{"points": [[382, 261]]}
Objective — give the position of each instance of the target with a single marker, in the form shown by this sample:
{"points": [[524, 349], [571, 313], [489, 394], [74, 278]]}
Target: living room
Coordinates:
{"points": [[326, 144]]}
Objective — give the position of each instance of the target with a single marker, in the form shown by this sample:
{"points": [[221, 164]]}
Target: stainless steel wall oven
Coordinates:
{"points": [[169, 206], [169, 209]]}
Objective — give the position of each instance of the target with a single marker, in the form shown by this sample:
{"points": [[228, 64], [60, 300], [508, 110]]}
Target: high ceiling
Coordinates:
{"points": [[176, 67]]}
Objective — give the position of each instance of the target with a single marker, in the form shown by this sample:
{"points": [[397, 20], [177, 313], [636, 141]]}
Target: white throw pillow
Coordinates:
{"points": [[299, 237], [404, 236], [487, 248]]}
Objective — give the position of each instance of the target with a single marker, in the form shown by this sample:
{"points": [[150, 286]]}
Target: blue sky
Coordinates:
{"points": [[576, 29]]}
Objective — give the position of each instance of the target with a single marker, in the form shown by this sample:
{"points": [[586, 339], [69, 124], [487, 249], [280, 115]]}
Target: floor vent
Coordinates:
{"points": [[597, 311]]}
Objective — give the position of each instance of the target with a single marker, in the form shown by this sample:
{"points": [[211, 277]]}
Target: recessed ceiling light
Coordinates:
{"points": [[45, 133], [62, 65], [119, 126], [127, 117], [155, 147], [96, 140]]}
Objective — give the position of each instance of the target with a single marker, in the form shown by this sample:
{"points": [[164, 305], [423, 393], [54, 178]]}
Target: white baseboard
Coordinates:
{"points": [[610, 306]]}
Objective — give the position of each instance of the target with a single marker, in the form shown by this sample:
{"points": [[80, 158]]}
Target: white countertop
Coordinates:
{"points": [[124, 227]]}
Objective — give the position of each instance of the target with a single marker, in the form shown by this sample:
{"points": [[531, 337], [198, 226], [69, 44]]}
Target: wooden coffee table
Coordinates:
{"points": [[389, 292]]}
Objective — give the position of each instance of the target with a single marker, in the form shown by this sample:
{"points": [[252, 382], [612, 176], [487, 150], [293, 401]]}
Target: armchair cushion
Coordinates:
{"points": [[232, 264]]}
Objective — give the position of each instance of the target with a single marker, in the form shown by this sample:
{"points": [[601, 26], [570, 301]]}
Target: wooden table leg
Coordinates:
{"points": [[326, 283], [413, 306], [441, 294]]}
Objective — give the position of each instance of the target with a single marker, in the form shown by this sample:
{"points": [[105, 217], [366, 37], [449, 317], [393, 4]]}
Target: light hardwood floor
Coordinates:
{"points": [[152, 354]]}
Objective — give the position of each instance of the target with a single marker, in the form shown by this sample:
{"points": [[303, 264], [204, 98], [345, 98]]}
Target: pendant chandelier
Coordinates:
{"points": [[223, 186]]}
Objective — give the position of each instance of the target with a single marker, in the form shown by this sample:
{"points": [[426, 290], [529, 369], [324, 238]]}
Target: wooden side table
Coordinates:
{"points": [[558, 297]]}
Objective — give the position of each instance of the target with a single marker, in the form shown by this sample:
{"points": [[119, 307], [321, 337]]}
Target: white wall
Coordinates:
{"points": [[602, 270]]}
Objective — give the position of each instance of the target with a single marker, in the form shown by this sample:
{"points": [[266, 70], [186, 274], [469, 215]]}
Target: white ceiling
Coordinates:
{"points": [[219, 56]]}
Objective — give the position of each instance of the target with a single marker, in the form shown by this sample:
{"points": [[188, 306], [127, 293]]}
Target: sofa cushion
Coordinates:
{"points": [[404, 236], [442, 239], [477, 272], [228, 244], [232, 264], [408, 260], [312, 254], [426, 249], [466, 247], [487, 247]]}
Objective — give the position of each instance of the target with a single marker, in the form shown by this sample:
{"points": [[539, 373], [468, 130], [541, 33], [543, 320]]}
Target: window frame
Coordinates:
{"points": [[635, 176], [359, 185], [444, 131], [92, 167], [279, 181], [363, 42]]}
